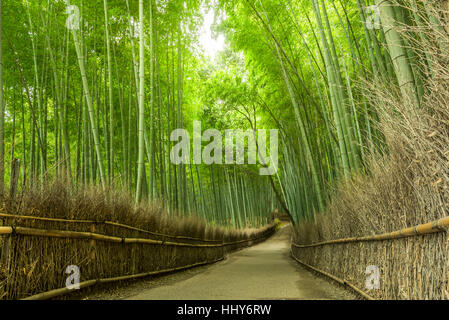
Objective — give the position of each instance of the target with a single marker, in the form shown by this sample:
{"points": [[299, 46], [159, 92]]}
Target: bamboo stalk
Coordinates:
{"points": [[90, 109], [141, 117], [395, 43], [2, 110]]}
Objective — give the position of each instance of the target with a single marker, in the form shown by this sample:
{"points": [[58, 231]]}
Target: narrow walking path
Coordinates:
{"points": [[264, 271]]}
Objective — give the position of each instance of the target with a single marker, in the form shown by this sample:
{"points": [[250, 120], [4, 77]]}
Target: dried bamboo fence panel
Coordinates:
{"points": [[412, 262], [42, 248]]}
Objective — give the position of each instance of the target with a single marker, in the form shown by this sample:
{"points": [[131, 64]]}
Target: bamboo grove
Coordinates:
{"points": [[318, 63], [96, 104]]}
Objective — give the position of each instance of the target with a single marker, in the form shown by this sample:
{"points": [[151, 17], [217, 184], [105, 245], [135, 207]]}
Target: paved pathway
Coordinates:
{"points": [[264, 271]]}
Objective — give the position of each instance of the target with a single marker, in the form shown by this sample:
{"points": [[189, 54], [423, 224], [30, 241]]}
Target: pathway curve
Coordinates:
{"points": [[264, 271]]}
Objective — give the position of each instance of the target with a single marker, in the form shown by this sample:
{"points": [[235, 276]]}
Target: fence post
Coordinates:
{"points": [[5, 261], [134, 254], [4, 242], [92, 244]]}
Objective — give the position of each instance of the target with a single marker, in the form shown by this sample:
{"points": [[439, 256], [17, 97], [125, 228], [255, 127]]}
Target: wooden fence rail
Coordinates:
{"points": [[12, 230], [439, 225], [89, 283], [110, 223]]}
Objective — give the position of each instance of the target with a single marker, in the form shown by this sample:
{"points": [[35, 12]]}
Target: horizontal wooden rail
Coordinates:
{"points": [[341, 281], [111, 223], [439, 225], [10, 230], [5, 230], [62, 291]]}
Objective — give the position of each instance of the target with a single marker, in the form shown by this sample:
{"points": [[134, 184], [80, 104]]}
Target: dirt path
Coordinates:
{"points": [[264, 271]]}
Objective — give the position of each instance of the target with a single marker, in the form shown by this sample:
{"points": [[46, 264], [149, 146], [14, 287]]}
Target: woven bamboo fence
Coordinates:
{"points": [[413, 262], [35, 252]]}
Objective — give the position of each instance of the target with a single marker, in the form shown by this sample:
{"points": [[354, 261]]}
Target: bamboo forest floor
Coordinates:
{"points": [[264, 271]]}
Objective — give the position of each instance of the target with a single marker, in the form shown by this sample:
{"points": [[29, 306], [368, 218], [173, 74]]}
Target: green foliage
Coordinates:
{"points": [[292, 65]]}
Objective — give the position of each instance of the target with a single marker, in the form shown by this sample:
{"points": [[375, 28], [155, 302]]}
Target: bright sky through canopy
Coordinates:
{"points": [[211, 46]]}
